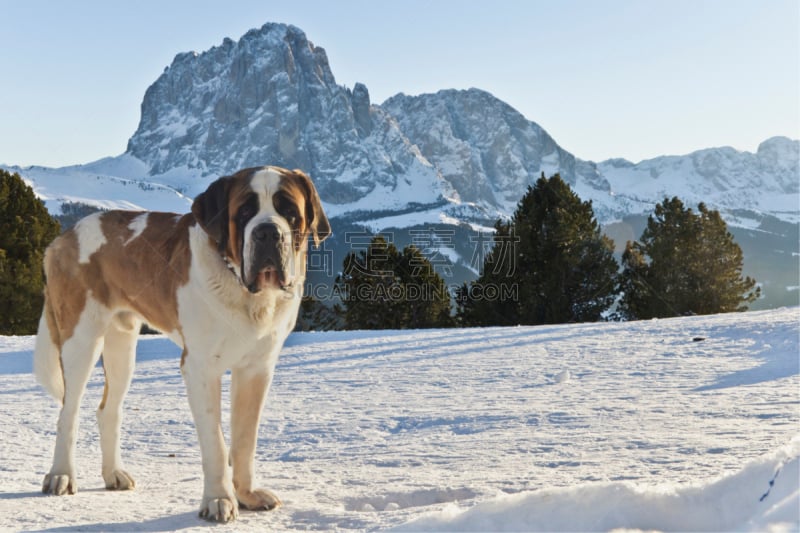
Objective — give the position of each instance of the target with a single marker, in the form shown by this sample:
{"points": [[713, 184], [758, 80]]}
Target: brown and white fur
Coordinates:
{"points": [[224, 282]]}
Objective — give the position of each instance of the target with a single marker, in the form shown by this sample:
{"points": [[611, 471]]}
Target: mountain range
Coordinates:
{"points": [[457, 159]]}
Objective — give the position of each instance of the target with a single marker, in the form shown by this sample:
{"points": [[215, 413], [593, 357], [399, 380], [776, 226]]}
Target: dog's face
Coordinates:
{"points": [[260, 220]]}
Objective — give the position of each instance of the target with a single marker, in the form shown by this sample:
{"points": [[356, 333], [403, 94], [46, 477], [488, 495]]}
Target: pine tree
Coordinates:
{"points": [[383, 288], [493, 298], [427, 302], [563, 266], [26, 228], [685, 263]]}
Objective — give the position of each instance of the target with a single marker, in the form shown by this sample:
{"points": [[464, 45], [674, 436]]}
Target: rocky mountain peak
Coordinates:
{"points": [[485, 148], [359, 99], [204, 105], [271, 98], [782, 156]]}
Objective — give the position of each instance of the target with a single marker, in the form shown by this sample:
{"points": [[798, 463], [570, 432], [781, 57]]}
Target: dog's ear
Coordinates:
{"points": [[315, 217], [210, 209]]}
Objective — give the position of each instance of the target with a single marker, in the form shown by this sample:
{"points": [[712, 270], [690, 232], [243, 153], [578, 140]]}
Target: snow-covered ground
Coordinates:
{"points": [[574, 427]]}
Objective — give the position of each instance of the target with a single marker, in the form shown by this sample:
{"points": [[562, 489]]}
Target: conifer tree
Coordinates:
{"points": [[685, 263], [493, 298], [383, 288], [564, 266], [26, 228]]}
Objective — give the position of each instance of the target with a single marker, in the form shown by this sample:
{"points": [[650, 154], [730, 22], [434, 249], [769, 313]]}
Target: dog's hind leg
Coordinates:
{"points": [[119, 356], [79, 354]]}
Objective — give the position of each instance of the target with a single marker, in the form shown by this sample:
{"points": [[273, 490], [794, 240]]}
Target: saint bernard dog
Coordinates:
{"points": [[224, 282]]}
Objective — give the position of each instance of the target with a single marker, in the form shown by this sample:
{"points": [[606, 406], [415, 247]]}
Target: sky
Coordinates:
{"points": [[606, 78]]}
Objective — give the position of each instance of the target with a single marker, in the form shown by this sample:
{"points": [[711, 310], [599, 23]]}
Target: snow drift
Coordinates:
{"points": [[764, 495]]}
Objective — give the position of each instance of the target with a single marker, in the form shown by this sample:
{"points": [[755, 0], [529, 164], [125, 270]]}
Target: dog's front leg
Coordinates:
{"points": [[203, 390], [248, 391]]}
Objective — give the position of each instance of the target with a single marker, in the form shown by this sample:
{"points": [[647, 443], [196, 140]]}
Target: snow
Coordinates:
{"points": [[414, 188], [724, 505], [573, 427], [435, 216], [722, 178], [98, 184]]}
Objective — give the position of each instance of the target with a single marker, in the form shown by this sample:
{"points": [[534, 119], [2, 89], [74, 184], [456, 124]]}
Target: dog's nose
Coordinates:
{"points": [[267, 232]]}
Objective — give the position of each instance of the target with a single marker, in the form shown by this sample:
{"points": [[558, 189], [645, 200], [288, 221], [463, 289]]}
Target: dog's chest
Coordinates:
{"points": [[248, 334]]}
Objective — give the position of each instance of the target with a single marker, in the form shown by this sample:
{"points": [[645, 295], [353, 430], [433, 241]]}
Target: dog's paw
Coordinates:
{"points": [[218, 510], [258, 500], [59, 484], [118, 480]]}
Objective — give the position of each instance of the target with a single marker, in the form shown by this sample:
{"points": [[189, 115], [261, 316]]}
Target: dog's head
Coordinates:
{"points": [[260, 219]]}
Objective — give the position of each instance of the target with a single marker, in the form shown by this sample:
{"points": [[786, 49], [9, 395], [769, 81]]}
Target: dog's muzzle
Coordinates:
{"points": [[270, 257]]}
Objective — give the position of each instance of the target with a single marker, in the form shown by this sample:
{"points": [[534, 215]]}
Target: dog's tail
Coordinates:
{"points": [[47, 354]]}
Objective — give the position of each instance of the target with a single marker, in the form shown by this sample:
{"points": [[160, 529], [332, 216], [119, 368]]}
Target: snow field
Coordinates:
{"points": [[573, 427]]}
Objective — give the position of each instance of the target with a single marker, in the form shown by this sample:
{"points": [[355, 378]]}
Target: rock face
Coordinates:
{"points": [[486, 150], [271, 98]]}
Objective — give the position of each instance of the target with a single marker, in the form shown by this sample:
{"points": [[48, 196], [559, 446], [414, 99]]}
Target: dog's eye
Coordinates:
{"points": [[291, 215], [287, 209], [246, 212]]}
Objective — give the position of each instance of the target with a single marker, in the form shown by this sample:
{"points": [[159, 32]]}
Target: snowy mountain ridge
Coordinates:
{"points": [[766, 182], [271, 98]]}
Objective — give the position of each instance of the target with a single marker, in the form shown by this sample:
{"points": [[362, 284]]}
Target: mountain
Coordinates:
{"points": [[457, 159], [742, 184], [271, 98], [485, 149]]}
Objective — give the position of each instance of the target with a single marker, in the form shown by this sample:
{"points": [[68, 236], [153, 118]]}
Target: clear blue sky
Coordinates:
{"points": [[606, 78]]}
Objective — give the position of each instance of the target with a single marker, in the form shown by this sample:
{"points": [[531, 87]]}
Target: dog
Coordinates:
{"points": [[224, 282]]}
